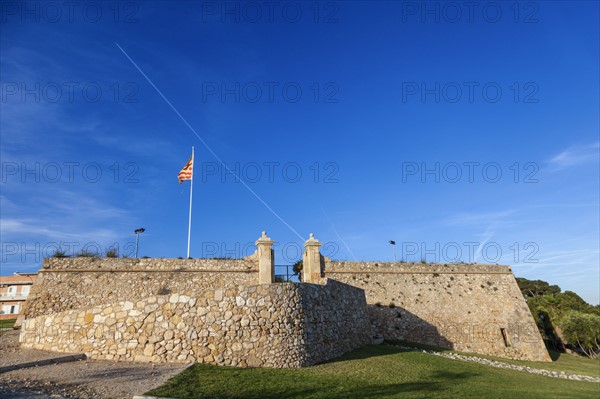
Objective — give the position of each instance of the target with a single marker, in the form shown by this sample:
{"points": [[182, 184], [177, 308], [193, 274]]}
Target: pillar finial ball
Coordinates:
{"points": [[264, 233], [311, 236]]}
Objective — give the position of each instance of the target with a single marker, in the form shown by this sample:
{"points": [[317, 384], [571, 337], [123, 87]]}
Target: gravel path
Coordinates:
{"points": [[83, 379], [13, 354]]}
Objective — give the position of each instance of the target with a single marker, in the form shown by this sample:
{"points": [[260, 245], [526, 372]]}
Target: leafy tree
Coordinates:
{"points": [[297, 269], [583, 329], [534, 288], [570, 300], [553, 310]]}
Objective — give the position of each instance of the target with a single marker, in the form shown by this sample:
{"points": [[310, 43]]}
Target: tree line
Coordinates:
{"points": [[564, 319]]}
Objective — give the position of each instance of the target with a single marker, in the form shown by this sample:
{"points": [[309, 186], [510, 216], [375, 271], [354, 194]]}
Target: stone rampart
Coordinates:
{"points": [[273, 325], [212, 310], [337, 320], [471, 308], [77, 283]]}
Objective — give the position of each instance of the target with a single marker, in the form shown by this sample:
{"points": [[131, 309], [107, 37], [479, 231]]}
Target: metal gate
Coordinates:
{"points": [[285, 273]]}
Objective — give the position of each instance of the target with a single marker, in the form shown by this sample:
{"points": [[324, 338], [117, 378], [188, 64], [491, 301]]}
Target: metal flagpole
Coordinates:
{"points": [[190, 219]]}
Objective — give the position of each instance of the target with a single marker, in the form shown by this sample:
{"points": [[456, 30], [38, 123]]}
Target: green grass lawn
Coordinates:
{"points": [[373, 372], [7, 323]]}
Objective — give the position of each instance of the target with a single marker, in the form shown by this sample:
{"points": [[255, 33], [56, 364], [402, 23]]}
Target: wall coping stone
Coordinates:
{"points": [[413, 272], [148, 264], [99, 270], [413, 268]]}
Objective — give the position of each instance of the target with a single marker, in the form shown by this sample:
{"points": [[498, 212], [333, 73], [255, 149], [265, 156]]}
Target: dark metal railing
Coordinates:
{"points": [[285, 273]]}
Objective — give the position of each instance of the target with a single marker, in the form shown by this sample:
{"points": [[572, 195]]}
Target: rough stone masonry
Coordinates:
{"points": [[230, 311], [469, 308]]}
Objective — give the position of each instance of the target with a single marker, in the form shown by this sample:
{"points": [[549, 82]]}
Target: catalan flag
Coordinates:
{"points": [[187, 171]]}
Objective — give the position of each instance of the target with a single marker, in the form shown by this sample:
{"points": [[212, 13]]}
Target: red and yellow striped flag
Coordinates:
{"points": [[187, 171]]}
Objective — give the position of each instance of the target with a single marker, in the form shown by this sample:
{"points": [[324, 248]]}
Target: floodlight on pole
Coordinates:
{"points": [[393, 244], [137, 240]]}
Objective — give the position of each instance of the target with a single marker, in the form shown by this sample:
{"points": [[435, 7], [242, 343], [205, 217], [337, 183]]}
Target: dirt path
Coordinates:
{"points": [[81, 379]]}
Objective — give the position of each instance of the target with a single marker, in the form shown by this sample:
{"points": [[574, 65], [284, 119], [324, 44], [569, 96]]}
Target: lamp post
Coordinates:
{"points": [[393, 244], [137, 240]]}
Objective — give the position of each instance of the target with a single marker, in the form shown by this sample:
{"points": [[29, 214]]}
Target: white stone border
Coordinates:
{"points": [[494, 363]]}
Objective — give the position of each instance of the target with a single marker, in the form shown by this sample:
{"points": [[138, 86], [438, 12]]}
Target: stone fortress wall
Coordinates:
{"points": [[230, 312], [465, 307], [271, 325]]}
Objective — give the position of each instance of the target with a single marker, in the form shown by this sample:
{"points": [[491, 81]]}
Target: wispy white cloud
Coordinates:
{"points": [[338, 235], [576, 256], [576, 155], [6, 204], [62, 215], [32, 228], [486, 236], [480, 218]]}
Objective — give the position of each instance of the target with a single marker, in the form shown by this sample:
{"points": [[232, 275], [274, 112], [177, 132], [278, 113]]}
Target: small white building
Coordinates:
{"points": [[13, 293]]}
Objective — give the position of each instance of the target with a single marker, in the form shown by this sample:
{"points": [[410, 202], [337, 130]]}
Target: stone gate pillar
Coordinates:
{"points": [[311, 261], [266, 260]]}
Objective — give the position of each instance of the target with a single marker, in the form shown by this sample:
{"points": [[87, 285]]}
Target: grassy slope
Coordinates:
{"points": [[373, 372], [568, 363]]}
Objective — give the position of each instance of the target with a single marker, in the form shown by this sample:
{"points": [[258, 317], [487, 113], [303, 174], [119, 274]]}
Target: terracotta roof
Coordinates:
{"points": [[16, 279]]}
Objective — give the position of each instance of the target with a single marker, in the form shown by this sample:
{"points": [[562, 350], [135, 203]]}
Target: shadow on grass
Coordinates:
{"points": [[208, 381], [366, 352], [333, 392], [449, 375]]}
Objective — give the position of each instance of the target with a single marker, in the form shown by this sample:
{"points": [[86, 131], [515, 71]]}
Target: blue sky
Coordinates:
{"points": [[460, 133]]}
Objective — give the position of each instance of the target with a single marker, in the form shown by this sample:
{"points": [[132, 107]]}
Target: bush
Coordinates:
{"points": [[86, 253], [112, 253], [59, 253]]}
